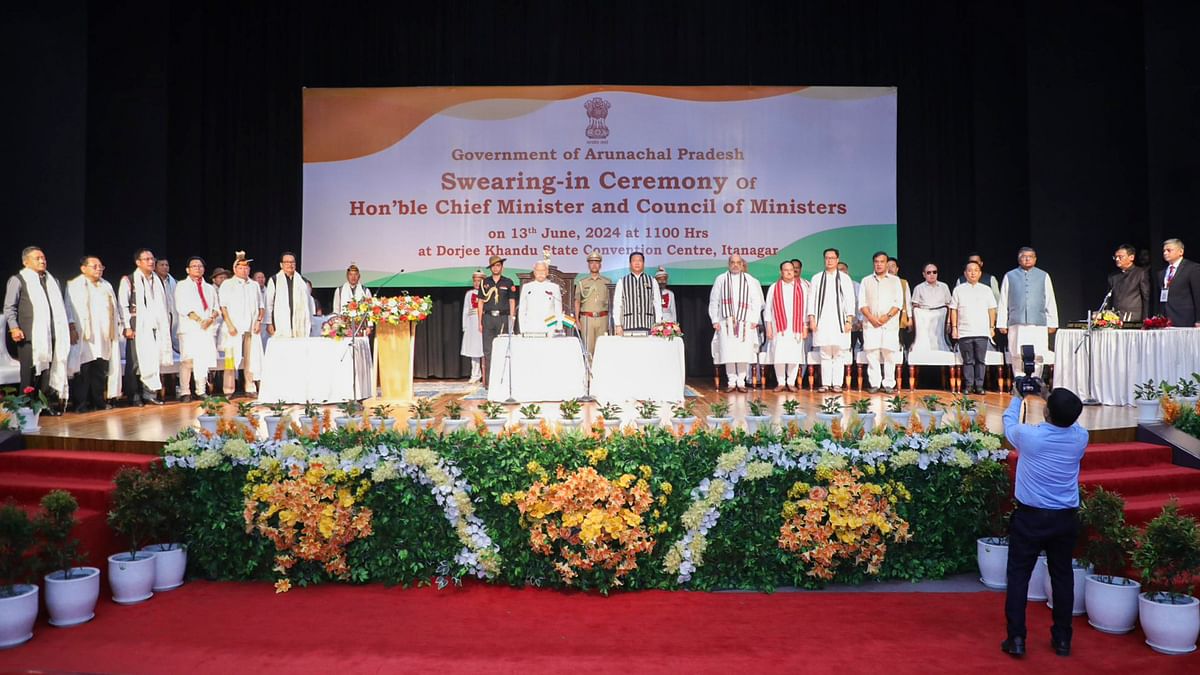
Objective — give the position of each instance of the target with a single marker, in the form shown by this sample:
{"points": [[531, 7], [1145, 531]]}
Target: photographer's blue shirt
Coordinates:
{"points": [[1048, 467]]}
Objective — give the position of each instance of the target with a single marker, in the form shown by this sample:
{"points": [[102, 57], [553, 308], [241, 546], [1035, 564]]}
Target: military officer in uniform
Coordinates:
{"points": [[498, 296], [591, 302]]}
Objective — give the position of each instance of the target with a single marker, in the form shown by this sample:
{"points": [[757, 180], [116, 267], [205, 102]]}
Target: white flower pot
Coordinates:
{"points": [[29, 422], [1038, 581], [17, 615], [530, 423], [683, 424], [209, 423], [239, 419], [868, 421], [754, 422], [646, 422], [413, 423], [970, 415], [900, 419], [828, 418], [1148, 411], [343, 421], [931, 418], [495, 426], [786, 420], [1079, 601], [131, 580], [1188, 402], [305, 423], [1170, 629], [170, 563], [272, 422], [1112, 606], [717, 422], [612, 425], [71, 602], [992, 555], [450, 426]]}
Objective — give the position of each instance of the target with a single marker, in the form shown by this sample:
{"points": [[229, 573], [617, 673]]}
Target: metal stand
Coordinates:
{"points": [[507, 372], [1087, 345], [356, 329], [587, 371]]}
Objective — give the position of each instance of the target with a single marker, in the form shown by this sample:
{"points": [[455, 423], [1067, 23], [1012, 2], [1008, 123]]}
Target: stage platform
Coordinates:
{"points": [[143, 430]]}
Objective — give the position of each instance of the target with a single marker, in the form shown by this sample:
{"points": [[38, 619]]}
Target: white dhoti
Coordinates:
{"points": [[789, 353], [882, 347], [834, 345], [737, 351], [1026, 334]]}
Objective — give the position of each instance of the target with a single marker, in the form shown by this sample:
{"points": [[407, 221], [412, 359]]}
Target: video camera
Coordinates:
{"points": [[1028, 384]]}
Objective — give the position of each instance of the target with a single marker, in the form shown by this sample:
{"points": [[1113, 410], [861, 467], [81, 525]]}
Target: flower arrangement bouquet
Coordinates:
{"points": [[1106, 319], [397, 308], [1156, 322], [667, 329]]}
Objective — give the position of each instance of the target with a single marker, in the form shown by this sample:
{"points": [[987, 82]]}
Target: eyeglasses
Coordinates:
{"points": [[930, 271]]}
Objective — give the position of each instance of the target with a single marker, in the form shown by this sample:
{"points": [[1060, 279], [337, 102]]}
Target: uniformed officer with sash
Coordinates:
{"points": [[498, 300], [591, 302]]}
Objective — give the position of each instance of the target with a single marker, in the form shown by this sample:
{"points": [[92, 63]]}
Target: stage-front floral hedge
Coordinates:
{"points": [[654, 509]]}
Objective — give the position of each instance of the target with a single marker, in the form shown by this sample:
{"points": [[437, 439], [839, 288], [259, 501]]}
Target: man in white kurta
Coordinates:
{"points": [[288, 309], [931, 307], [831, 309], [242, 312], [143, 297], [670, 313], [787, 326], [96, 355], [881, 299], [199, 308], [472, 329], [351, 290], [539, 311], [735, 308], [1027, 310]]}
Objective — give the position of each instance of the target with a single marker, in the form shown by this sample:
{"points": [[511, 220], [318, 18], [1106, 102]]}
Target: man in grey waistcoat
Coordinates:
{"points": [[1028, 312]]}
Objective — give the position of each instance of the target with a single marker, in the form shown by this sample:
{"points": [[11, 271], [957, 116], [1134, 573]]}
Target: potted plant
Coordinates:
{"points": [[986, 491], [1111, 600], [211, 409], [452, 419], [1187, 391], [931, 416], [351, 412], [273, 419], [895, 410], [529, 415], [1145, 397], [312, 411], [134, 516], [718, 414], [758, 415], [381, 414], [18, 597], [1168, 555], [164, 488], [831, 409], [494, 415], [611, 414], [647, 413], [420, 414], [27, 406], [245, 415], [967, 407], [862, 408], [791, 413], [570, 413], [683, 416], [71, 590]]}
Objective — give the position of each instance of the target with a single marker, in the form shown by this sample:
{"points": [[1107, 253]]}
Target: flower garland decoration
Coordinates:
{"points": [[396, 308], [337, 326], [667, 329], [846, 522]]}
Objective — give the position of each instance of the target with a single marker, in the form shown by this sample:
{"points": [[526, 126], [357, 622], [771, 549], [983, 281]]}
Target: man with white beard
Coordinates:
{"points": [[541, 303], [288, 307], [143, 297], [787, 327], [831, 319], [734, 307], [96, 356], [199, 308], [881, 299], [242, 312]]}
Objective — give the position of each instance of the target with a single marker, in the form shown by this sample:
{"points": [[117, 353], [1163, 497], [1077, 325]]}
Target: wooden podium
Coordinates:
{"points": [[395, 346]]}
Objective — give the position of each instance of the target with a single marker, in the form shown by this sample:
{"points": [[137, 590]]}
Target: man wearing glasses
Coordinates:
{"points": [[1129, 286], [287, 301], [96, 355], [930, 302], [1027, 310], [143, 297]]}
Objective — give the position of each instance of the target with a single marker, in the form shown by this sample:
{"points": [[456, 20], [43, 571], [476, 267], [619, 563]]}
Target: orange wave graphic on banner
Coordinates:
{"points": [[341, 124]]}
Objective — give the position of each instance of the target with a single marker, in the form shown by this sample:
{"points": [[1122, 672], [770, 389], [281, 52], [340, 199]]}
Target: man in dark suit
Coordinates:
{"points": [[1179, 287], [1129, 285]]}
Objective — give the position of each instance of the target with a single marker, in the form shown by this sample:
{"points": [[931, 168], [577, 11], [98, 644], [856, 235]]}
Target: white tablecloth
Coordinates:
{"points": [[321, 370], [543, 369], [1123, 358], [637, 369]]}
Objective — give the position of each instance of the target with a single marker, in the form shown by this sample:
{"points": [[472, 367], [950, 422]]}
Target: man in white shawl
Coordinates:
{"points": [[787, 326], [539, 311], [95, 361], [288, 309], [881, 299], [472, 329], [831, 310], [199, 308], [39, 323], [735, 307], [351, 290], [143, 299], [242, 311]]}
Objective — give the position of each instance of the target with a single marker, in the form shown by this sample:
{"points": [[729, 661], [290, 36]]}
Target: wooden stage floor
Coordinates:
{"points": [[143, 430]]}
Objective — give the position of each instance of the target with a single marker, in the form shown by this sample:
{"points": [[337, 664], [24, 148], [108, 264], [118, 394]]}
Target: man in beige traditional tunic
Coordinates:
{"points": [[591, 302]]}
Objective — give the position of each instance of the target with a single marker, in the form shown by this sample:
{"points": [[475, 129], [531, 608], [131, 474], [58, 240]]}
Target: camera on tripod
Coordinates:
{"points": [[1028, 384]]}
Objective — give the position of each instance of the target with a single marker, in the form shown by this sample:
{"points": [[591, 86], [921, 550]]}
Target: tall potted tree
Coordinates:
{"points": [[71, 591], [134, 515], [1111, 599], [170, 555], [1168, 555], [18, 597], [986, 490]]}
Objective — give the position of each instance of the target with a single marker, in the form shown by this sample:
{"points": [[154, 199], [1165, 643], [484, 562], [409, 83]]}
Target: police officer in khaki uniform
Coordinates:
{"points": [[591, 302], [498, 295]]}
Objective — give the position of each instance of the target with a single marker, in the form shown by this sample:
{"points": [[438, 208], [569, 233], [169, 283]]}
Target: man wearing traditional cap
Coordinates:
{"points": [[219, 276], [591, 302], [735, 309], [472, 329], [198, 307], [351, 290], [670, 313], [636, 303], [499, 306], [289, 312], [242, 310]]}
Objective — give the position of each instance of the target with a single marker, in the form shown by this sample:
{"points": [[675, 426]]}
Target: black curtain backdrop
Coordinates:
{"points": [[1068, 126]]}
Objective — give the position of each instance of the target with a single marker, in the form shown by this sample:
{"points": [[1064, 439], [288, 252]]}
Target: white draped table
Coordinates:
{"points": [[321, 370], [1123, 358], [637, 368], [543, 368]]}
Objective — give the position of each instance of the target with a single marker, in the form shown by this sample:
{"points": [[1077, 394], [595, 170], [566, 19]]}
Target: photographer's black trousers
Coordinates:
{"points": [[1032, 531]]}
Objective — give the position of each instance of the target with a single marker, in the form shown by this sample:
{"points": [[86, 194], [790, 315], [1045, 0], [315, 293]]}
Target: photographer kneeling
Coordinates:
{"points": [[1046, 517]]}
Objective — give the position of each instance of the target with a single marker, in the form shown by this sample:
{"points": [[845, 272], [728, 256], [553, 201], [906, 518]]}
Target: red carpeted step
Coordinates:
{"points": [[1141, 509], [74, 463], [1144, 480], [29, 488], [1114, 455]]}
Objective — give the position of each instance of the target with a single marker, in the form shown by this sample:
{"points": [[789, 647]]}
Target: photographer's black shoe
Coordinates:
{"points": [[1013, 646], [1060, 648]]}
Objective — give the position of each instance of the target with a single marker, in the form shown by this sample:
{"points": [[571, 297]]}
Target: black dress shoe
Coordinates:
{"points": [[141, 403], [1060, 648], [186, 398], [1013, 646]]}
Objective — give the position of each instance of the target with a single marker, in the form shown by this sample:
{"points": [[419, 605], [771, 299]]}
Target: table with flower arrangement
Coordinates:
{"points": [[320, 370], [1121, 358]]}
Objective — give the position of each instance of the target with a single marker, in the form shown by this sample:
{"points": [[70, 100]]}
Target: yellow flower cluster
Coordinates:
{"points": [[596, 456]]}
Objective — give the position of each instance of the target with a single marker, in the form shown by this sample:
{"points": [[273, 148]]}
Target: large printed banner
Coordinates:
{"points": [[420, 186]]}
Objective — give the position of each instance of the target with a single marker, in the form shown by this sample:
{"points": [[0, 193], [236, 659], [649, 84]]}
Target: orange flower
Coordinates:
{"points": [[835, 429], [914, 423]]}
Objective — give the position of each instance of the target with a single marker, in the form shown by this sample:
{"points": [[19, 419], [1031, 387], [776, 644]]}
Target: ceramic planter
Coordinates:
{"points": [[1149, 412], [29, 420], [413, 424], [17, 615], [683, 424], [786, 420], [717, 422], [170, 564], [647, 422], [755, 422], [900, 419], [868, 421], [450, 426], [1080, 572], [828, 418], [931, 418], [1169, 628], [992, 556], [131, 579], [495, 426], [343, 421], [71, 602], [209, 422], [1112, 603]]}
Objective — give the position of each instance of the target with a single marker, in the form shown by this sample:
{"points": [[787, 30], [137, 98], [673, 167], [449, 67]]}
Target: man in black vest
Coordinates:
{"points": [[23, 312]]}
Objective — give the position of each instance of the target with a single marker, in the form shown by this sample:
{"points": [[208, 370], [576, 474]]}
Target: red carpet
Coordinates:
{"points": [[27, 475], [246, 628]]}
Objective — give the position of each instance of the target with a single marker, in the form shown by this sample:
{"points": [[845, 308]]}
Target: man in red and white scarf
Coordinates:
{"points": [[735, 308], [787, 331]]}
